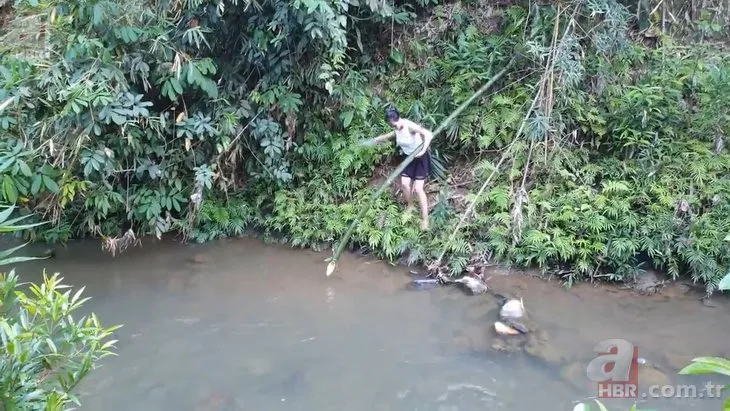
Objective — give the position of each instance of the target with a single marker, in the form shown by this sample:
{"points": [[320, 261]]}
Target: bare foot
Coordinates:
{"points": [[424, 225], [410, 208]]}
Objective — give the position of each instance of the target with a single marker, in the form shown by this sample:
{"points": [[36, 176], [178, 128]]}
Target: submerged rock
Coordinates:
{"points": [[678, 361], [510, 328], [539, 346], [512, 310], [516, 333], [574, 374], [522, 328], [509, 343], [651, 376]]}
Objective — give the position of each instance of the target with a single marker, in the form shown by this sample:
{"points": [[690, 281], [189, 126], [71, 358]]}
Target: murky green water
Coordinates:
{"points": [[240, 325]]}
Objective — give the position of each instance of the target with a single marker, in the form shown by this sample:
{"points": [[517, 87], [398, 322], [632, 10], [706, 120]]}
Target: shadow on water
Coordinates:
{"points": [[238, 325]]}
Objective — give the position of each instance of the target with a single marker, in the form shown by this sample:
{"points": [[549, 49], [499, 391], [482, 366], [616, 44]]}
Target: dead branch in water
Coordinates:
{"points": [[119, 244]]}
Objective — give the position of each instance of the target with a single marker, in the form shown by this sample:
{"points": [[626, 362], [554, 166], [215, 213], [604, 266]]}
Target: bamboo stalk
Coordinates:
{"points": [[341, 247]]}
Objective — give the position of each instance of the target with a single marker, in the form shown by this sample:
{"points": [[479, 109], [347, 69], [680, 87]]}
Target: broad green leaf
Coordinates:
{"points": [[24, 168], [11, 191], [707, 365], [175, 83], [50, 184], [346, 118], [724, 283], [35, 188], [98, 14], [6, 163]]}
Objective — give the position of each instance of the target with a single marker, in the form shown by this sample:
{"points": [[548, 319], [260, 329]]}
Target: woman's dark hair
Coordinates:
{"points": [[392, 114]]}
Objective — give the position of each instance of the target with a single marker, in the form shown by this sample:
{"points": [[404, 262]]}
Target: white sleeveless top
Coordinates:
{"points": [[406, 141]]}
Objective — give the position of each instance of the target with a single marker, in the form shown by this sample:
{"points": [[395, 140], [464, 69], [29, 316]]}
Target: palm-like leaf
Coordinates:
{"points": [[8, 225]]}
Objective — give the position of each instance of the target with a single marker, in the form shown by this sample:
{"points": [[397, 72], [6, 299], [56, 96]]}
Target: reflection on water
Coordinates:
{"points": [[239, 325]]}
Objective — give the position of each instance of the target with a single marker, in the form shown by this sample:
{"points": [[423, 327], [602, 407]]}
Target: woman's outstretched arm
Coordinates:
{"points": [[383, 137]]}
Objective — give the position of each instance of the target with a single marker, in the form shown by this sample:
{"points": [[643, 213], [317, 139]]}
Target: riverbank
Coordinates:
{"points": [[647, 283], [406, 245]]}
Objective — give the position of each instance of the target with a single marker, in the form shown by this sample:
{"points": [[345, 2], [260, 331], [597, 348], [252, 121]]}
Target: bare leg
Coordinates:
{"points": [[407, 190], [423, 200]]}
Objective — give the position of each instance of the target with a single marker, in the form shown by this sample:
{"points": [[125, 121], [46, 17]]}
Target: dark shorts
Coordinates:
{"points": [[419, 168]]}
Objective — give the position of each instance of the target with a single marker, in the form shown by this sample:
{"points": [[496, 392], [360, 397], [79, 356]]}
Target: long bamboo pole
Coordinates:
{"points": [[341, 247]]}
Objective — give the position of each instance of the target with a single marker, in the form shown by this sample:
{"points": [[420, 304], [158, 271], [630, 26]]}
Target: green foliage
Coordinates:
{"points": [[131, 108], [709, 365], [45, 352], [8, 225], [213, 117]]}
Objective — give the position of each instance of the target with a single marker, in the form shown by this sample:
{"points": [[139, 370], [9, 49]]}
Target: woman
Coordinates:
{"points": [[408, 136]]}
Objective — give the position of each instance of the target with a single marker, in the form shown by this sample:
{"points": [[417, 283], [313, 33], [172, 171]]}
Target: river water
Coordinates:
{"points": [[243, 325]]}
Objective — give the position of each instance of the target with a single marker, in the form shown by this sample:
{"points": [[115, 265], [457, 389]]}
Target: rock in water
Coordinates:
{"points": [[512, 309], [504, 329], [474, 285], [516, 325]]}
